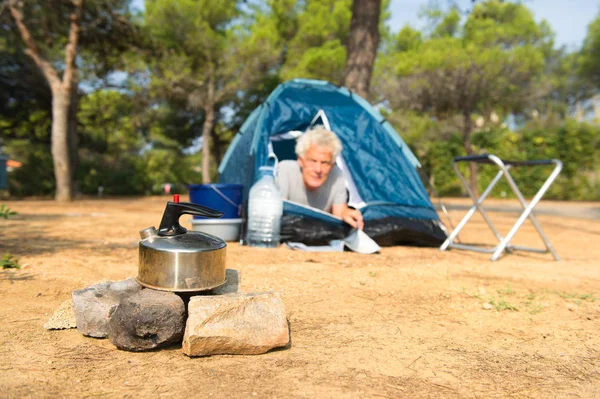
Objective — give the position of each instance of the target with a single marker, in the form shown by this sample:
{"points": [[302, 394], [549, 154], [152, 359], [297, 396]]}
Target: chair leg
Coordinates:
{"points": [[527, 212], [477, 206]]}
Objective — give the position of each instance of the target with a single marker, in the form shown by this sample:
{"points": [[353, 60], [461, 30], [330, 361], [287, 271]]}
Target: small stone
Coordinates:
{"points": [[93, 305], [487, 306], [572, 307], [481, 290], [247, 324], [147, 320], [231, 286], [63, 317]]}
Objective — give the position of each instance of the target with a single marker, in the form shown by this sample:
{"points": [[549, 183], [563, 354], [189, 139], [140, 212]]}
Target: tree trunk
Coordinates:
{"points": [[207, 127], [219, 145], [209, 121], [60, 144], [74, 139], [468, 130], [62, 93], [362, 45]]}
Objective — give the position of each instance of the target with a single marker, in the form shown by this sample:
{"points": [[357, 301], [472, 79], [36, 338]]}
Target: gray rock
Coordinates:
{"points": [[231, 286], [93, 305], [245, 324], [63, 317], [147, 320]]}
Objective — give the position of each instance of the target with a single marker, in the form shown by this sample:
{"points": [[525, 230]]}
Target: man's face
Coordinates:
{"points": [[316, 165]]}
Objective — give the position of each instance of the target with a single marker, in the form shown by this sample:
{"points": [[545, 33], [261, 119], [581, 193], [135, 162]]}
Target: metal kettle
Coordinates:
{"points": [[174, 259]]}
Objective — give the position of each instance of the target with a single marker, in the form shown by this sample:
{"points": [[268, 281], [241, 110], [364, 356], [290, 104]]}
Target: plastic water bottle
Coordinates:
{"points": [[265, 207]]}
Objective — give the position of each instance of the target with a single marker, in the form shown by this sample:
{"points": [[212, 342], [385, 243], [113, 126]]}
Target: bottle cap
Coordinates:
{"points": [[267, 170]]}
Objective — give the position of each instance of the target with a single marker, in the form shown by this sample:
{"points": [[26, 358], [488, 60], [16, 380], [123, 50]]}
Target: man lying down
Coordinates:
{"points": [[314, 179]]}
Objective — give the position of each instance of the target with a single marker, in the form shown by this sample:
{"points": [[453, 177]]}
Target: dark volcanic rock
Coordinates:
{"points": [[147, 320], [93, 305]]}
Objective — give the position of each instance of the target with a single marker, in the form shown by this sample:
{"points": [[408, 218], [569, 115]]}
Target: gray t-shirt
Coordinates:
{"points": [[291, 185]]}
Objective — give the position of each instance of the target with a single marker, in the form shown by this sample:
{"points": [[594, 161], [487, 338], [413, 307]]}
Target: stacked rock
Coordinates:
{"points": [[221, 321]]}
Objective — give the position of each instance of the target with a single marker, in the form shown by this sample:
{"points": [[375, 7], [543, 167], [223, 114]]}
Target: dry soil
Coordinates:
{"points": [[405, 323]]}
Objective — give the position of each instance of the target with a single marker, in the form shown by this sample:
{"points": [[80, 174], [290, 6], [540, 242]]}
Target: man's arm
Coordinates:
{"points": [[283, 179], [351, 216]]}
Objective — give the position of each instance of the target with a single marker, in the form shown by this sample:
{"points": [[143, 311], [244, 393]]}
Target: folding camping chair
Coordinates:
{"points": [[503, 242]]}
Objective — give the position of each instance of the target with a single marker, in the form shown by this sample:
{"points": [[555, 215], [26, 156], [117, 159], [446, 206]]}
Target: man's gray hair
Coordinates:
{"points": [[321, 137]]}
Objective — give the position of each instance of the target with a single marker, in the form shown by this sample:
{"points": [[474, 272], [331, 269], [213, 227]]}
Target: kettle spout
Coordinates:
{"points": [[148, 232]]}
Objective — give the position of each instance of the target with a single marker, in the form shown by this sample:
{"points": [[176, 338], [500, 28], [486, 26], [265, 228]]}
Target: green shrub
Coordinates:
{"points": [[5, 212]]}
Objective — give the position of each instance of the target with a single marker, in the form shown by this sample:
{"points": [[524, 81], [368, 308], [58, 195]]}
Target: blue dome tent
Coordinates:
{"points": [[379, 168]]}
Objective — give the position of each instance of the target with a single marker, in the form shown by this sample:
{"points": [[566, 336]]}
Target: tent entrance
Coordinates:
{"points": [[282, 147]]}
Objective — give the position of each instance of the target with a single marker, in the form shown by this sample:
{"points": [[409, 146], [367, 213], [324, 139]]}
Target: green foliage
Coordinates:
{"points": [[507, 290], [490, 76], [318, 50], [491, 63], [500, 60], [433, 82], [8, 261], [215, 51], [167, 166], [212, 43], [437, 164], [106, 123], [407, 39], [501, 304], [325, 62], [533, 307], [449, 26], [121, 160], [589, 63], [511, 25], [5, 212], [116, 176], [575, 144], [25, 98], [36, 175]]}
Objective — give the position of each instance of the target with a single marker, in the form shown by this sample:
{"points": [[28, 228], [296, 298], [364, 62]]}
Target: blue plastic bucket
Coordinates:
{"points": [[226, 198]]}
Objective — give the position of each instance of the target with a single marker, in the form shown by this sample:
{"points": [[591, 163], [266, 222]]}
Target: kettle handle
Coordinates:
{"points": [[169, 225]]}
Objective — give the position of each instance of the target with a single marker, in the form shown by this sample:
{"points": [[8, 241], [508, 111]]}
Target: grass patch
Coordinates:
{"points": [[9, 262], [588, 297], [507, 290], [5, 212], [501, 304], [575, 296], [534, 307], [533, 302]]}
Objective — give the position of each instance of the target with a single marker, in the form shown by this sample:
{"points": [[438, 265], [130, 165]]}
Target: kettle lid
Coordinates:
{"points": [[176, 236]]}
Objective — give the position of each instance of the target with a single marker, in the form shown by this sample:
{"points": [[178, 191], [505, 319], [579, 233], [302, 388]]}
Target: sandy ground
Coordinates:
{"points": [[405, 323]]}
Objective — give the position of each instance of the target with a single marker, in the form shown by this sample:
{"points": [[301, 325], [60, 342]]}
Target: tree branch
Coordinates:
{"points": [[71, 49], [3, 5], [32, 49]]}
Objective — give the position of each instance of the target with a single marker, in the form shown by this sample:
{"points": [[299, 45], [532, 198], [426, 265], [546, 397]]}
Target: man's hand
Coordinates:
{"points": [[354, 218], [351, 216]]}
